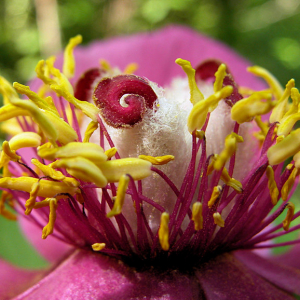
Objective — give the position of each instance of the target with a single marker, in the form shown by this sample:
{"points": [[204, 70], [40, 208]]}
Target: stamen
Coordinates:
{"points": [[158, 160], [220, 74], [3, 211], [83, 169], [200, 110], [214, 196], [163, 232], [98, 246], [248, 108], [269, 78], [30, 203], [289, 216], [121, 192], [289, 184], [196, 95], [111, 152], [131, 68], [105, 65], [92, 127], [7, 90], [286, 148], [25, 140], [197, 215], [218, 220], [282, 105], [48, 171], [48, 229], [274, 192], [10, 153], [230, 147], [69, 61], [10, 111]]}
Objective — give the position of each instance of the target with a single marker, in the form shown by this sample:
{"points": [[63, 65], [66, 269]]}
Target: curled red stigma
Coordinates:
{"points": [[138, 97]]}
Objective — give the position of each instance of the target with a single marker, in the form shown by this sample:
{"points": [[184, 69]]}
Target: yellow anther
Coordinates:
{"points": [[7, 90], [25, 140], [69, 61], [282, 105], [71, 182], [289, 216], [40, 102], [214, 196], [42, 73], [274, 192], [289, 184], [287, 124], [230, 147], [288, 147], [10, 153], [83, 169], [10, 127], [220, 74], [200, 110], [197, 215], [114, 169], [47, 188], [10, 111], [158, 160], [196, 95], [98, 246], [111, 152], [200, 134], [121, 193], [48, 229], [218, 220], [92, 127], [105, 65], [29, 204], [90, 151], [235, 184], [269, 78], [131, 68], [48, 171], [163, 232], [257, 104]]}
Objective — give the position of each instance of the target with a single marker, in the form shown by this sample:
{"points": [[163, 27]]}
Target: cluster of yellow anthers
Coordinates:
{"points": [[56, 141], [274, 99]]}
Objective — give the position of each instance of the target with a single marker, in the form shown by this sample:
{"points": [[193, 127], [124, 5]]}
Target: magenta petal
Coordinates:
{"points": [[87, 275], [16, 280], [225, 277], [51, 248], [287, 278]]}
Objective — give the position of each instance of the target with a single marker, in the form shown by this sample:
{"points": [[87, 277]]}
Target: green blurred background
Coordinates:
{"points": [[265, 32]]}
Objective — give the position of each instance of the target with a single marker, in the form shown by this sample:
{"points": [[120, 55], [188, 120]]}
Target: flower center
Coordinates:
{"points": [[145, 180]]}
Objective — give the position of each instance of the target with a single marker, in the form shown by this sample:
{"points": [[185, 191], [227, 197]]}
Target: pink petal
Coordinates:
{"points": [[87, 275], [16, 280], [287, 278], [225, 277]]}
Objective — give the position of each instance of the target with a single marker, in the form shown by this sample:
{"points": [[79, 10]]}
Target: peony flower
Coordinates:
{"points": [[164, 179]]}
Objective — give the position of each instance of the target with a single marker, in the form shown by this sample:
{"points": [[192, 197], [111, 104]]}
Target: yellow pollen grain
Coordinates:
{"points": [[69, 61], [48, 229], [214, 195], [274, 192], [195, 93], [197, 215], [220, 75], [98, 246], [218, 220], [163, 232], [289, 216], [92, 127], [269, 78], [121, 193], [158, 160]]}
